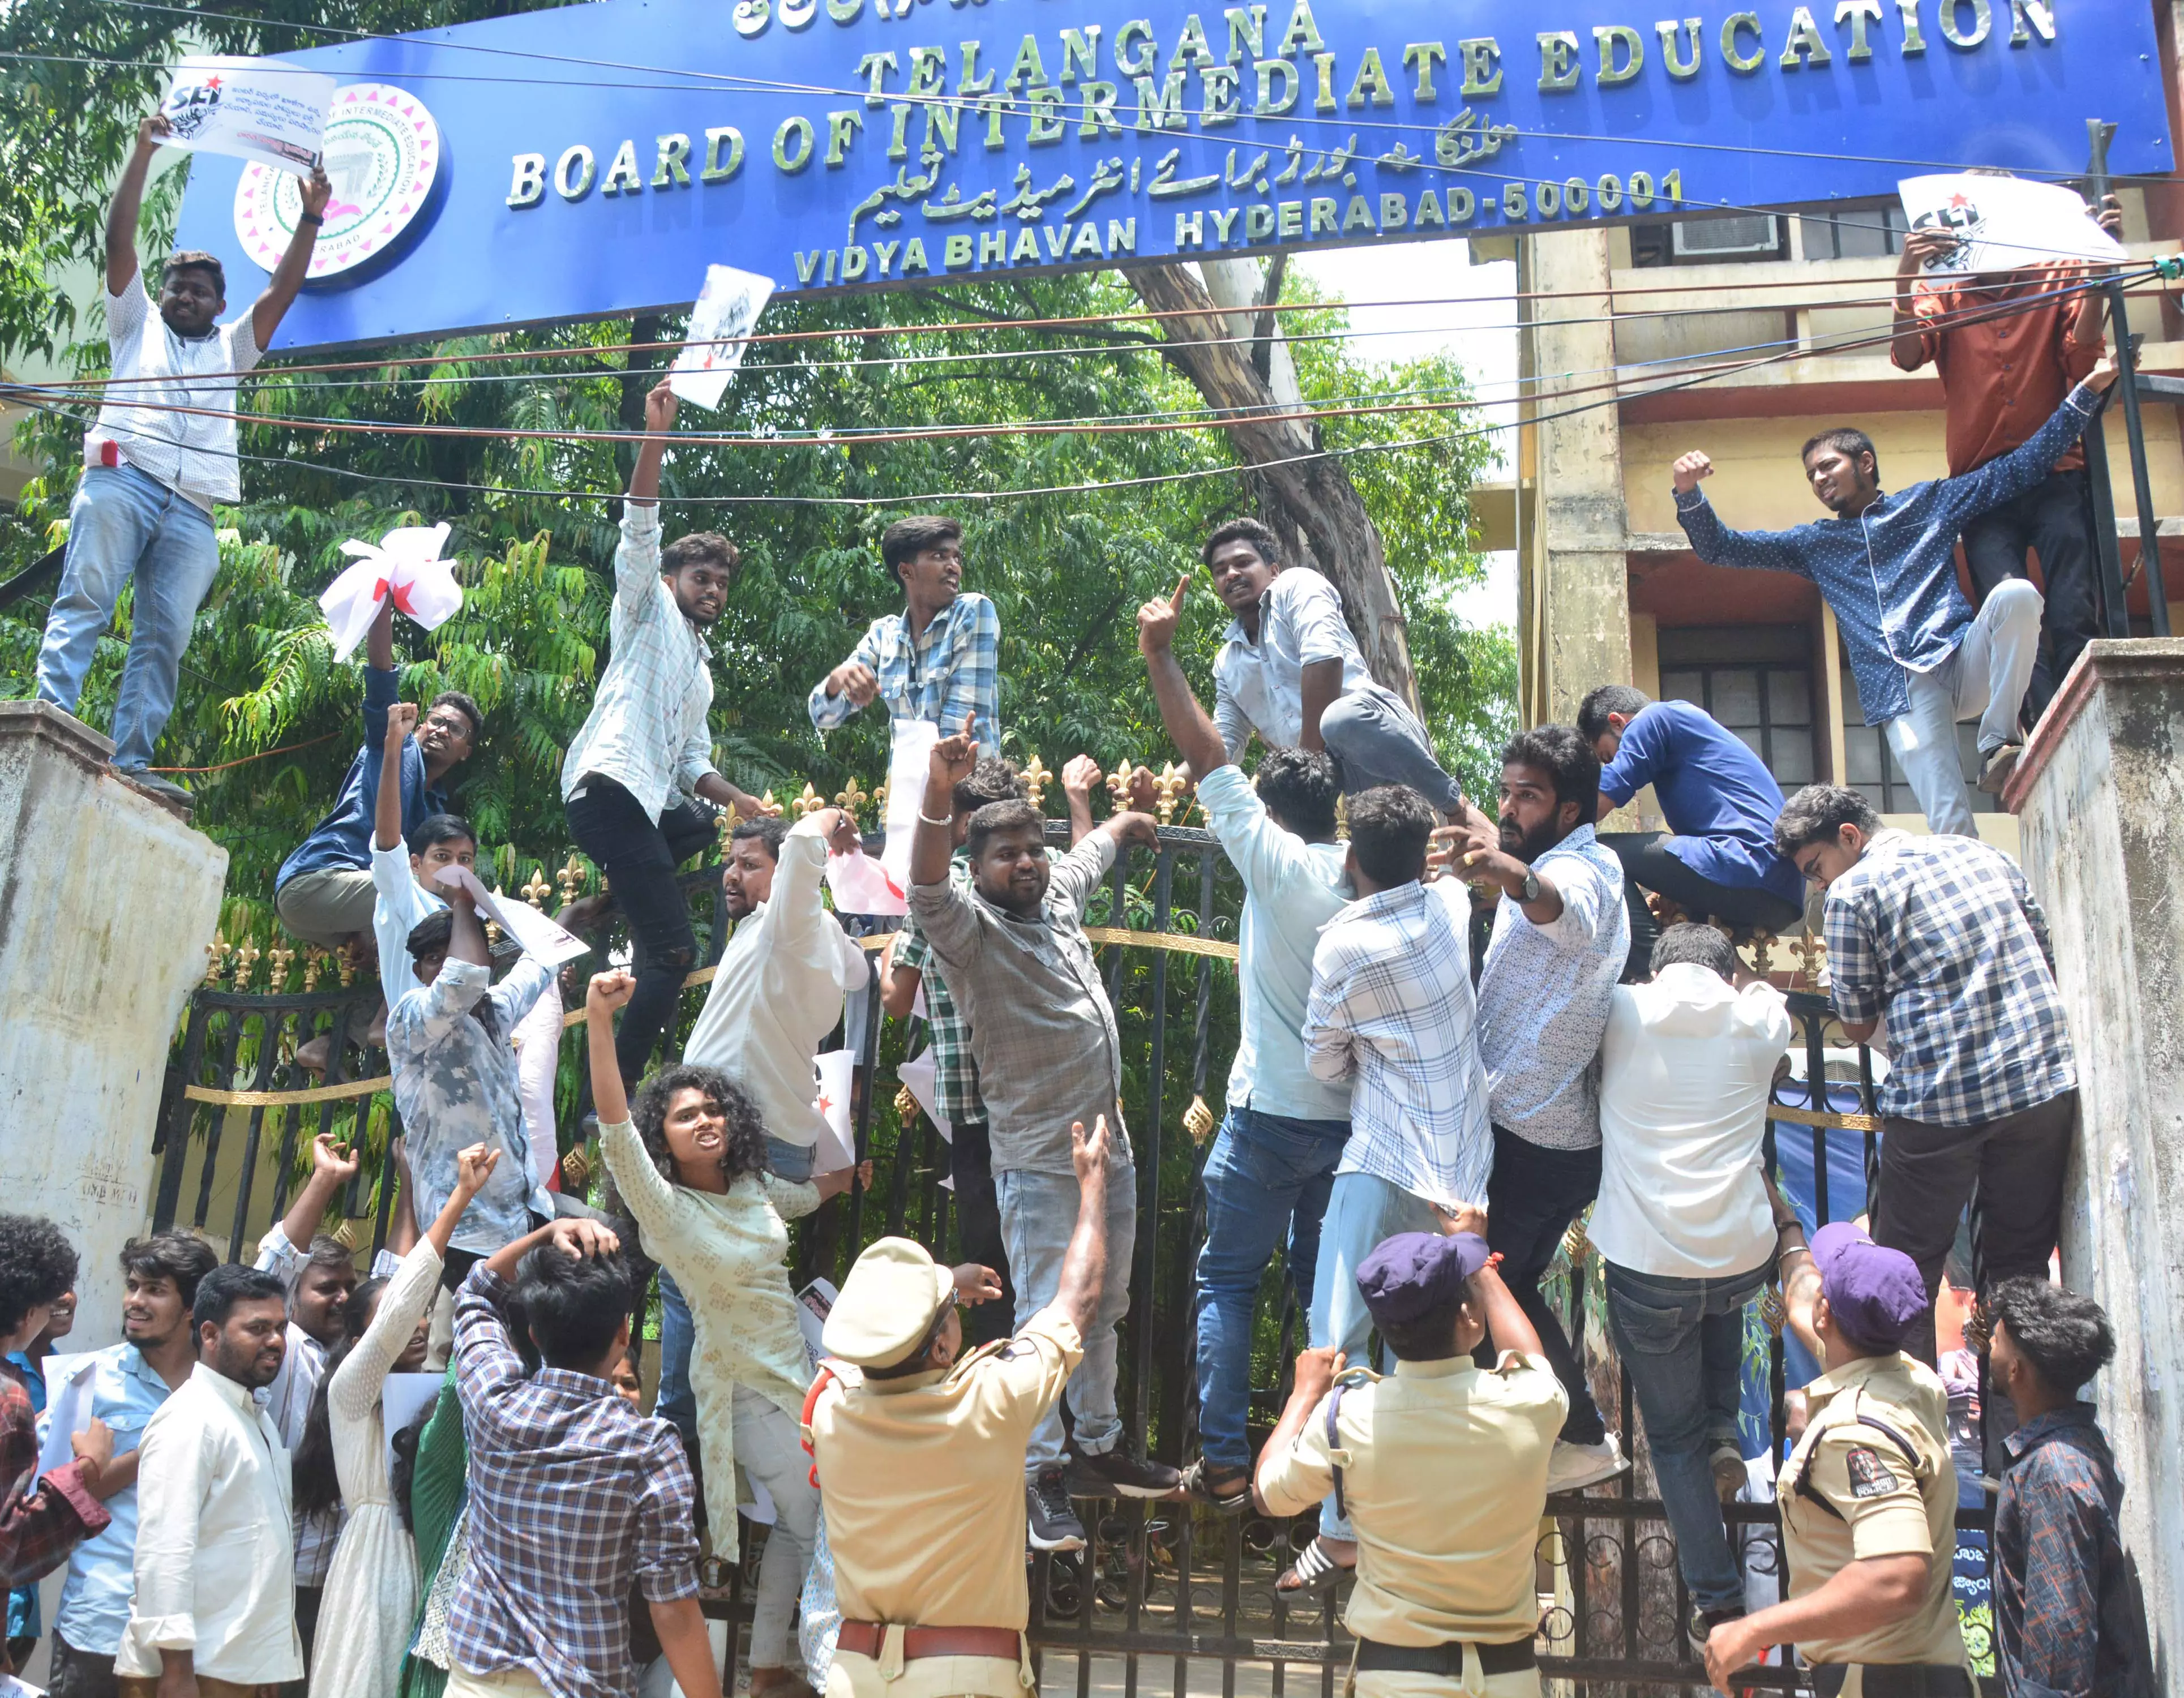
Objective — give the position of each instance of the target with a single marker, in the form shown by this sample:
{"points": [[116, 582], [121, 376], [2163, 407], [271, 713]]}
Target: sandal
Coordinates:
{"points": [[1314, 1571], [1198, 1484]]}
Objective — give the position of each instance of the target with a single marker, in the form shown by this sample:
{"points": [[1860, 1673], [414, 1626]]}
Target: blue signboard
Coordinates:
{"points": [[594, 160]]}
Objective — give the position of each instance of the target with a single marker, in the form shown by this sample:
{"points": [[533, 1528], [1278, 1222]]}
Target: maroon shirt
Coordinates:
{"points": [[36, 1532]]}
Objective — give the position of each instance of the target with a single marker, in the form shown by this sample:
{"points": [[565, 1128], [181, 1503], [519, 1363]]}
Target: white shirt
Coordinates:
{"points": [[400, 902], [1291, 889], [1260, 686], [215, 1575], [647, 729], [189, 452], [1543, 997], [1685, 1067], [778, 990], [1391, 1002]]}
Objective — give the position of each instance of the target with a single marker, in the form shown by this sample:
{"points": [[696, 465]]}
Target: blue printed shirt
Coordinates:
{"points": [[1890, 574], [344, 837], [1718, 798], [94, 1608], [951, 669]]}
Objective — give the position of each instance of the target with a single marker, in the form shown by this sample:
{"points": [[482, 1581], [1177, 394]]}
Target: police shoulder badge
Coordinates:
{"points": [[1869, 1476]]}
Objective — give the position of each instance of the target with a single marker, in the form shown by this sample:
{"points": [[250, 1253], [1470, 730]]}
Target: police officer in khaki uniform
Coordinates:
{"points": [[1868, 1497], [921, 1462], [1442, 1468]]}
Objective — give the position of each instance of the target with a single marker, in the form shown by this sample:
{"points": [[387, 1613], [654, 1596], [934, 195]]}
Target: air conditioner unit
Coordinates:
{"points": [[1755, 234]]}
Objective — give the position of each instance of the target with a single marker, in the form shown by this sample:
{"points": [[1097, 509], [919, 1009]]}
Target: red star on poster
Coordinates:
{"points": [[1958, 200], [825, 1103], [212, 82]]}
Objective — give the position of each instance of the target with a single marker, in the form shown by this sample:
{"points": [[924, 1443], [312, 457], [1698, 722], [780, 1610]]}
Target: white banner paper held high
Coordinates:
{"points": [[264, 109], [726, 311], [908, 760], [837, 1068], [405, 564], [540, 936], [2004, 224], [917, 1074]]}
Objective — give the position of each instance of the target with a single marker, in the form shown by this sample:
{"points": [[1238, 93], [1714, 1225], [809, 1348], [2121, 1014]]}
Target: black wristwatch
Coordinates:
{"points": [[1528, 891]]}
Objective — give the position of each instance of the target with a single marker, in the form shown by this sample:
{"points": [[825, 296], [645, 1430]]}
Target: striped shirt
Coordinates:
{"points": [[951, 669], [1391, 1005]]}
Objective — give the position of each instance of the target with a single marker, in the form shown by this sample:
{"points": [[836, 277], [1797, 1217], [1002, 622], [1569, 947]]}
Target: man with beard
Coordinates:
{"points": [[1013, 950], [638, 777], [129, 1383], [1886, 566], [214, 1612], [1561, 934]]}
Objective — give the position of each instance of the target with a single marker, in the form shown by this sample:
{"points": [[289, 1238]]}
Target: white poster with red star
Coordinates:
{"points": [[267, 110], [726, 312], [2004, 224], [836, 1067]]}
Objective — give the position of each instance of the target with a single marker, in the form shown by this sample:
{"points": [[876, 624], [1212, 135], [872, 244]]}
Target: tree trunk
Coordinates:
{"points": [[1306, 496]]}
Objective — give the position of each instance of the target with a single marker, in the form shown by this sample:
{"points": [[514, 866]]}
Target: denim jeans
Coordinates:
{"points": [[1361, 1210], [979, 1229], [123, 523], [1376, 740], [1682, 1344], [1986, 679], [1267, 1184], [676, 1401], [1038, 1214], [1535, 1192]]}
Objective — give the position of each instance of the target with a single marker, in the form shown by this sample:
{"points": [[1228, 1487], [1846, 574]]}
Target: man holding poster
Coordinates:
{"points": [[151, 472]]}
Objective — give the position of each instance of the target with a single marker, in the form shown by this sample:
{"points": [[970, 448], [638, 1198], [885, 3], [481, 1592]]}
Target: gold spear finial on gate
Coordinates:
{"points": [[537, 890], [314, 963], [1036, 778], [1169, 786], [246, 960], [809, 802], [852, 796], [345, 964], [571, 878], [215, 959], [280, 956]]}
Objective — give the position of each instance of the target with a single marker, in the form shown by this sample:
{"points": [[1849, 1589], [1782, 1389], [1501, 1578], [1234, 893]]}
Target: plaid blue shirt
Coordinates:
{"points": [[1890, 574], [1943, 935], [950, 671], [573, 1495], [955, 1070]]}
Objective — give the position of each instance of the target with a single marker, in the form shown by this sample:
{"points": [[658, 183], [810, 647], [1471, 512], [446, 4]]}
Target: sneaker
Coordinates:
{"points": [[1704, 1622], [1050, 1520], [1575, 1466], [1729, 1474], [1997, 764], [1118, 1473], [151, 784]]}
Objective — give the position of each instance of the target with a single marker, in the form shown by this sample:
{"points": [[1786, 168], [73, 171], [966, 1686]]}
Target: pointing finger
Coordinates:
{"points": [[1182, 583]]}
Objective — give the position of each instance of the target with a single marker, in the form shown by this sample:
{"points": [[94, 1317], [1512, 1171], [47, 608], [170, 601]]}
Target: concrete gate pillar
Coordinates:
{"points": [[107, 900], [2099, 797]]}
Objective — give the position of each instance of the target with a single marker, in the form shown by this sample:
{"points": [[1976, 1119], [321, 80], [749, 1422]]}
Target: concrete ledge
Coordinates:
{"points": [[2104, 660]]}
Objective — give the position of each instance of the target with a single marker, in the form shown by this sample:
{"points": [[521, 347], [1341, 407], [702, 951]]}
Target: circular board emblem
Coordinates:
{"points": [[382, 153]]}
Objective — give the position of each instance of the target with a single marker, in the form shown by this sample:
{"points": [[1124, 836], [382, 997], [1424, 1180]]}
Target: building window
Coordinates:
{"points": [[1872, 766], [1869, 232], [1726, 239], [1755, 681]]}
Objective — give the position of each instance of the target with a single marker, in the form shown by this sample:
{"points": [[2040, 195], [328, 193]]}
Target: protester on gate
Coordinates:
{"points": [[1684, 1226], [161, 452], [213, 1609], [2066, 1604], [38, 1528], [1868, 1496], [1290, 670], [406, 862], [1562, 934], [1886, 566], [1442, 1466], [324, 891], [455, 1080], [1718, 859], [1272, 1163], [2008, 347], [25, 1619], [690, 1161], [560, 1462], [639, 776], [936, 660], [1942, 939], [1014, 951], [907, 967], [128, 1383], [919, 1450], [340, 1468], [1391, 1012]]}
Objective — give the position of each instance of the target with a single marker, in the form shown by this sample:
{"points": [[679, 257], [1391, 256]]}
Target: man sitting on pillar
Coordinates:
{"points": [[1290, 670], [1887, 566], [1717, 860]]}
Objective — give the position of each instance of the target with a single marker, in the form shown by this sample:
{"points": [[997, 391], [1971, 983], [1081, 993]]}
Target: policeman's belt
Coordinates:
{"points": [[1896, 1680], [865, 1639], [1445, 1660]]}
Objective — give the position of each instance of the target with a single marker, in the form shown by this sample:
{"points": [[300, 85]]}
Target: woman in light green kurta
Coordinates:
{"points": [[689, 1164]]}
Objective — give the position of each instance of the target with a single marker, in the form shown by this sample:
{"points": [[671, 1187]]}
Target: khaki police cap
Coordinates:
{"points": [[888, 1305]]}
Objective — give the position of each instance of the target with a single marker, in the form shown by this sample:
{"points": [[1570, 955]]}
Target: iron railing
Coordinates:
{"points": [[1165, 1589]]}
